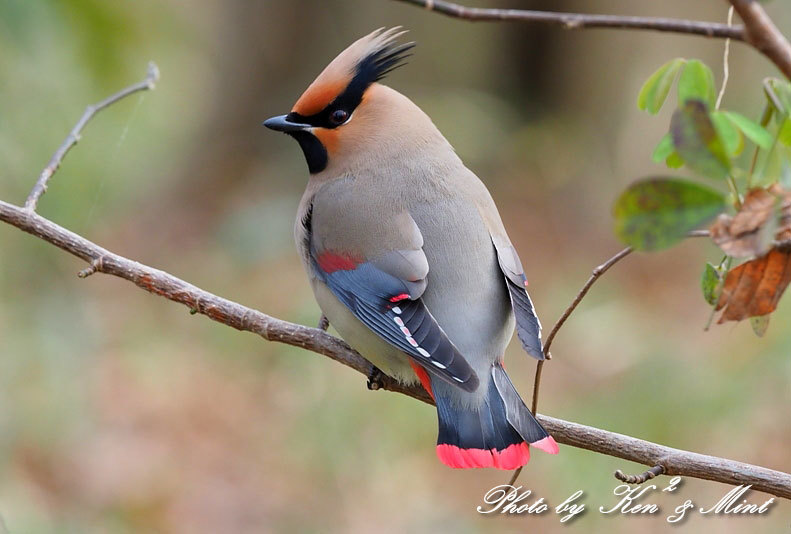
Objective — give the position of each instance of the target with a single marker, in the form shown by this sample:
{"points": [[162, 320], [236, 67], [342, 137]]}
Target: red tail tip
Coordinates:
{"points": [[547, 444], [510, 458]]}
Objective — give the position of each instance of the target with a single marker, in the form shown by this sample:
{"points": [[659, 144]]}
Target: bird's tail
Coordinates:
{"points": [[494, 434]]}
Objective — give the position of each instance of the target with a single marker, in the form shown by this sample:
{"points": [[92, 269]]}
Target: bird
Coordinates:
{"points": [[407, 255]]}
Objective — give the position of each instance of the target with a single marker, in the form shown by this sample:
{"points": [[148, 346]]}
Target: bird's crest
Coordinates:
{"points": [[364, 62]]}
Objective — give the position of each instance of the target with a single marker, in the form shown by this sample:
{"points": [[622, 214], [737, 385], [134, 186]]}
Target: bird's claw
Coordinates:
{"points": [[375, 379]]}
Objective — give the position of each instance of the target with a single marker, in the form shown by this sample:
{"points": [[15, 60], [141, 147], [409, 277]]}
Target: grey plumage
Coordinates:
{"points": [[393, 215]]}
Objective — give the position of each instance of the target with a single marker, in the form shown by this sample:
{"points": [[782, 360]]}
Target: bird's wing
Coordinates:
{"points": [[383, 289], [528, 327]]}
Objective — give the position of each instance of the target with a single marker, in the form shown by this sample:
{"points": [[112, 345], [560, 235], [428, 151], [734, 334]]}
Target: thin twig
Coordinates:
{"points": [[574, 21], [771, 95], [517, 472], [95, 266], [761, 33], [737, 198], [698, 233], [597, 272], [725, 69], [533, 408], [536, 386], [152, 76], [642, 477], [774, 105], [675, 461]]}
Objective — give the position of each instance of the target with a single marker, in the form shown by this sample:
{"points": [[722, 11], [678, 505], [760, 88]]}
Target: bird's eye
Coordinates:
{"points": [[338, 117]]}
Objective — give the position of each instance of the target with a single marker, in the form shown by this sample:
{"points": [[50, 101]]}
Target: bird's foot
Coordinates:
{"points": [[375, 379], [324, 323]]}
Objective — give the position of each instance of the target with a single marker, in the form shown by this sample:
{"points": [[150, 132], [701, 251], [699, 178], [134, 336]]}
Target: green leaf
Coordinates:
{"points": [[664, 148], [781, 90], [656, 213], [772, 165], [760, 324], [664, 151], [710, 284], [754, 132], [728, 132], [656, 88], [697, 142], [784, 134], [696, 81], [674, 161]]}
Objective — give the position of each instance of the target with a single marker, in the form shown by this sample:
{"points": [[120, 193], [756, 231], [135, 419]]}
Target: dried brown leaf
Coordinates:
{"points": [[754, 288], [764, 216]]}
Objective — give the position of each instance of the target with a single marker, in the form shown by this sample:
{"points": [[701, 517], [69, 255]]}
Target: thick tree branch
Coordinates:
{"points": [[671, 461], [216, 308], [757, 31], [575, 21], [674, 461], [760, 32]]}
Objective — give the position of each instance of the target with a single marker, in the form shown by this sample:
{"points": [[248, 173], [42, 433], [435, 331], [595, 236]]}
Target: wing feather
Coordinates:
{"points": [[528, 326]]}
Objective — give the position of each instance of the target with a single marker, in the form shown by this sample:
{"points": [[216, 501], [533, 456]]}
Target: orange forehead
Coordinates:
{"points": [[320, 94]]}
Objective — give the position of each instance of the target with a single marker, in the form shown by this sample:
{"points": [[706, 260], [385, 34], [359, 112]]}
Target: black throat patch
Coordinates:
{"points": [[369, 70], [314, 151]]}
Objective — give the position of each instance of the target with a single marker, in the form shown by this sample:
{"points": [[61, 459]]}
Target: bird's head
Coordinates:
{"points": [[345, 111]]}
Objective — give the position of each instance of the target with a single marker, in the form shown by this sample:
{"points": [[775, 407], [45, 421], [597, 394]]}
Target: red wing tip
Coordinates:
{"points": [[510, 458], [547, 444]]}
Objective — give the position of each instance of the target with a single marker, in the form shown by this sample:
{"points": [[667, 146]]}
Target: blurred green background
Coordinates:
{"points": [[120, 412]]}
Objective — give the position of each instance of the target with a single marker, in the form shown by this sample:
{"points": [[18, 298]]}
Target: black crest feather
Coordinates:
{"points": [[383, 57], [383, 61]]}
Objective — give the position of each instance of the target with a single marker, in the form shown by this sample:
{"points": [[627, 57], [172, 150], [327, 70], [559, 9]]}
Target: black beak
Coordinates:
{"points": [[282, 124]]}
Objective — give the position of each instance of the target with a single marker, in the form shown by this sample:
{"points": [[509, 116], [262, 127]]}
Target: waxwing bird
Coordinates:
{"points": [[408, 257]]}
